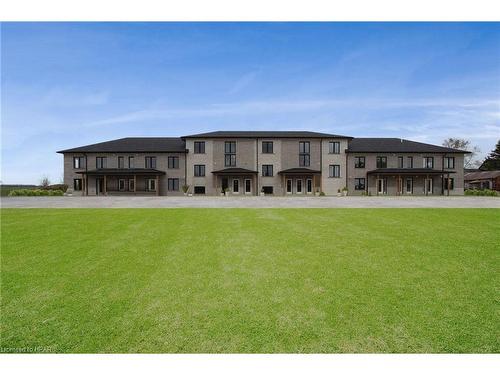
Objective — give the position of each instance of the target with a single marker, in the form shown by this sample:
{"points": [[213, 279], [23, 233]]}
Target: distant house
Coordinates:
{"points": [[482, 180]]}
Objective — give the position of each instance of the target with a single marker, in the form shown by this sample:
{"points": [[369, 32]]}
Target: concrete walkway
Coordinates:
{"points": [[250, 202]]}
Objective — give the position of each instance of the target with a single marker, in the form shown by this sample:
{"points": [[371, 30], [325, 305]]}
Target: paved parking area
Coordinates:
{"points": [[250, 202]]}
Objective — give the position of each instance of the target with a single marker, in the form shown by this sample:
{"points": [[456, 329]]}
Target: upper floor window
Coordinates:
{"points": [[199, 147], [334, 147], [409, 162], [150, 162], [267, 147], [400, 162], [230, 154], [359, 162], [199, 170], [334, 170], [121, 162], [267, 170], [304, 154], [78, 162], [173, 162], [428, 162], [449, 162], [100, 162], [131, 162], [381, 161]]}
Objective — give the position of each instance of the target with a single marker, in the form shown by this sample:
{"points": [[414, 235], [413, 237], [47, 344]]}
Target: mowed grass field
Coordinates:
{"points": [[250, 280]]}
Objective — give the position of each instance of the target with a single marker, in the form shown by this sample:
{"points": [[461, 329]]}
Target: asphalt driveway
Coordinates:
{"points": [[250, 202]]}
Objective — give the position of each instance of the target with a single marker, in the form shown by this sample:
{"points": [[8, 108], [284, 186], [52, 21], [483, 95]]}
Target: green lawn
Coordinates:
{"points": [[250, 280]]}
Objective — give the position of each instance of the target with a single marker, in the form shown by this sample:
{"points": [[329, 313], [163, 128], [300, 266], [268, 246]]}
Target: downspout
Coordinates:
{"points": [[257, 166]]}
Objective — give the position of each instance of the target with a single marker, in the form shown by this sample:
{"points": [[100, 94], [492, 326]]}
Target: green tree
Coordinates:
{"points": [[492, 161]]}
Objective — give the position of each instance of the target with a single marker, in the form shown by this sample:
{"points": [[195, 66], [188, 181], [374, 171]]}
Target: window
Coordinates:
{"points": [[334, 147], [449, 162], [173, 162], [288, 186], [131, 184], [409, 185], [359, 162], [230, 154], [304, 154], [298, 186], [381, 162], [77, 184], [400, 162], [248, 186], [199, 147], [429, 162], [173, 184], [121, 162], [449, 183], [151, 184], [236, 186], [131, 162], [199, 189], [267, 189], [267, 147], [78, 162], [121, 184], [309, 185], [267, 170], [359, 184], [100, 162], [409, 162], [334, 170], [150, 162], [199, 170]]}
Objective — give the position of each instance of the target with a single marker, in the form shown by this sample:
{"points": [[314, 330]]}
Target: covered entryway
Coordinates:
{"points": [[236, 181], [300, 181]]}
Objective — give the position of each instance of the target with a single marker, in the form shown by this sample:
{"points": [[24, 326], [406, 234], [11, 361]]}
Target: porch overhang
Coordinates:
{"points": [[299, 171], [122, 172], [408, 171], [234, 171]]}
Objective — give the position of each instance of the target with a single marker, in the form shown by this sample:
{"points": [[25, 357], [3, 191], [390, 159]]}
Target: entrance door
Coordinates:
{"points": [[99, 186], [225, 183], [289, 186], [400, 185], [299, 186], [428, 186], [236, 186], [381, 186], [248, 186], [309, 186], [409, 186]]}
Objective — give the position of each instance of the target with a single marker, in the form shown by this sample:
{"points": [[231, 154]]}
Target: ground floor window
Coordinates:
{"points": [[449, 183], [173, 184], [199, 189], [131, 184], [359, 184], [289, 186], [151, 184], [121, 184], [77, 184], [267, 189]]}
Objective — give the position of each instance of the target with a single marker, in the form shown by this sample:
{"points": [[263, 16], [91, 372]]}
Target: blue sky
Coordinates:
{"points": [[70, 84]]}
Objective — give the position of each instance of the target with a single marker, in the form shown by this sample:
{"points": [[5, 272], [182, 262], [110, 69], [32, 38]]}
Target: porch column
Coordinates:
{"points": [[376, 184], [314, 184], [448, 183], [135, 184], [105, 186], [157, 185], [425, 185]]}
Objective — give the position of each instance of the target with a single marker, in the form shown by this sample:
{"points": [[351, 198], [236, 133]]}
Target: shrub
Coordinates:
{"points": [[35, 193], [62, 187], [485, 192], [322, 194]]}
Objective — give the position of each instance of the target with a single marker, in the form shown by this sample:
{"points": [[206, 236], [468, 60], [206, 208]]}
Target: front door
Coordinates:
{"points": [[99, 186], [289, 186], [298, 188], [248, 186], [381, 186], [409, 186], [236, 186], [428, 186], [225, 183], [309, 186]]}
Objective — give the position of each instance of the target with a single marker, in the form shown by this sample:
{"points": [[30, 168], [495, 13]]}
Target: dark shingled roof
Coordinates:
{"points": [[482, 175], [234, 171], [160, 144], [122, 171], [381, 145], [410, 171], [264, 134]]}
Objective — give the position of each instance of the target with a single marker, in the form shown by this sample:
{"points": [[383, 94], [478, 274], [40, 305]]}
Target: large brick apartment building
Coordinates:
{"points": [[263, 162]]}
